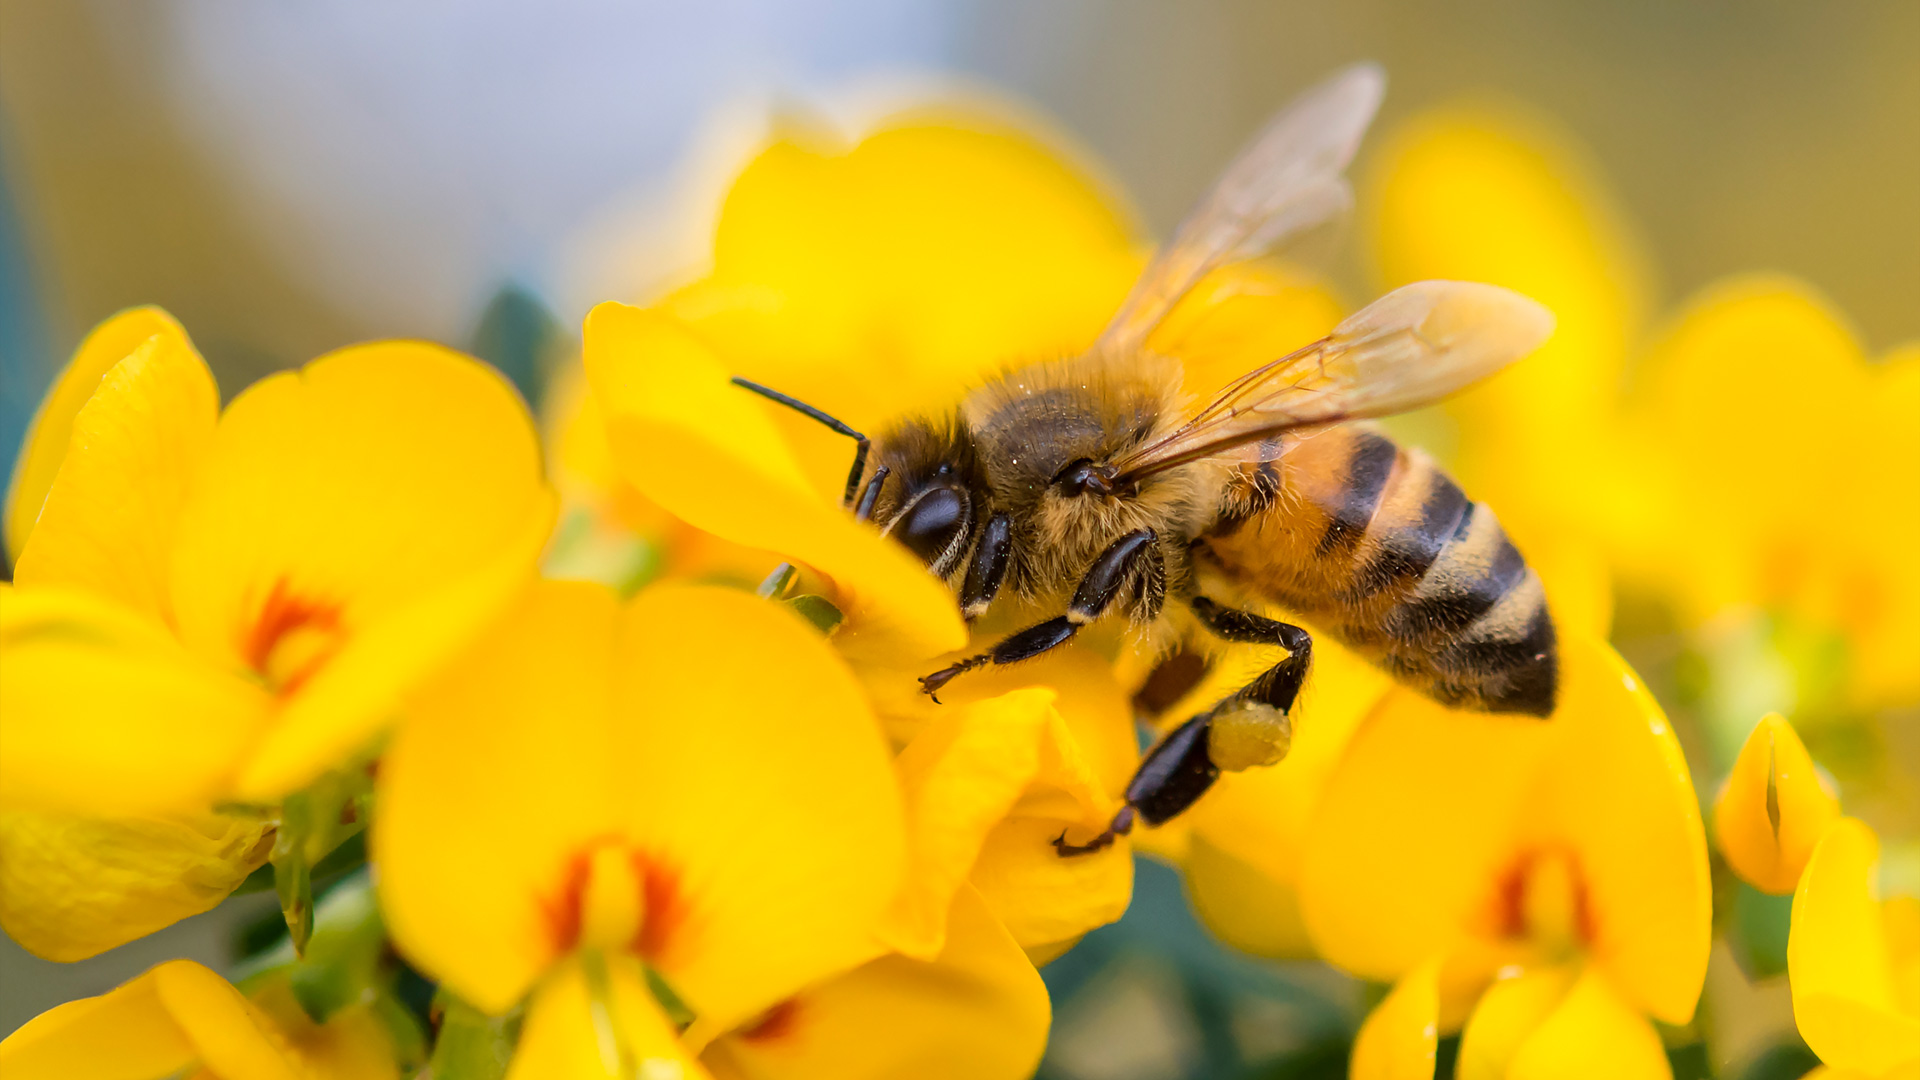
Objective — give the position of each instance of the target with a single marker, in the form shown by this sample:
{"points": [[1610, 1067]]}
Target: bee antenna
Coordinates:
{"points": [[839, 427]]}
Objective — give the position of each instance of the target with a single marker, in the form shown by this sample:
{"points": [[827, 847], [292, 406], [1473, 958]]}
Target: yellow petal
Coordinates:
{"points": [[1256, 821], [1414, 831], [758, 790], [572, 1031], [108, 715], [1399, 1038], [1749, 357], [175, 1016], [383, 499], [1507, 1014], [1480, 195], [960, 778], [353, 1044], [1243, 906], [1615, 795], [1882, 608], [1047, 901], [1594, 1034], [119, 1035], [1773, 808], [73, 886], [667, 401], [51, 431], [138, 444], [500, 777], [1433, 820], [881, 280], [977, 1011], [342, 706], [1838, 961]]}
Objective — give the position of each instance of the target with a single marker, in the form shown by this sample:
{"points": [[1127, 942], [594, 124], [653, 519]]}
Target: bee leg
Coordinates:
{"points": [[1280, 684], [989, 569], [1252, 726], [1132, 554]]}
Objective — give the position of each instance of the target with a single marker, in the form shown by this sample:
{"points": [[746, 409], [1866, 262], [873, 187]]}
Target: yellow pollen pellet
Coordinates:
{"points": [[1248, 734]]}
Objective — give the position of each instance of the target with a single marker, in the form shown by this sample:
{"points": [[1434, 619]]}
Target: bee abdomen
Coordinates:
{"points": [[1378, 546], [1477, 620]]}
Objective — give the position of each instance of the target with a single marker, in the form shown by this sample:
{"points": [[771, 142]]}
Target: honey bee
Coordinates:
{"points": [[1087, 487]]}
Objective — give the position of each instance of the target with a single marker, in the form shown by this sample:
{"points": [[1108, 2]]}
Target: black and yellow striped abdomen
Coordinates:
{"points": [[1374, 544]]}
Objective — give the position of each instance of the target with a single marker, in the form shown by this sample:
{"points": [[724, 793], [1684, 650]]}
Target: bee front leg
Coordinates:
{"points": [[1132, 554], [1251, 727]]}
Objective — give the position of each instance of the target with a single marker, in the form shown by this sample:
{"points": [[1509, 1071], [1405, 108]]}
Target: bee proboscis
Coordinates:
{"points": [[1084, 489]]}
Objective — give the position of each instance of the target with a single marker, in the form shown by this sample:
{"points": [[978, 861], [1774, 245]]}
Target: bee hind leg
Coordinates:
{"points": [[1250, 727]]}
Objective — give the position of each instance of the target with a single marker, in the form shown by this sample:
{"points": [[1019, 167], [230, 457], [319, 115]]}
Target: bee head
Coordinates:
{"points": [[927, 502]]}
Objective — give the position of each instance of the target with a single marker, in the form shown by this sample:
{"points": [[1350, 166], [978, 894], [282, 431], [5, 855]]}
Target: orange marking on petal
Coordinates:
{"points": [[563, 907], [664, 908], [777, 1022], [291, 638], [1542, 898]]}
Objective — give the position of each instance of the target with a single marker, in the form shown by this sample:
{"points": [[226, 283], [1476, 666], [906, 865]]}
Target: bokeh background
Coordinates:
{"points": [[287, 178]]}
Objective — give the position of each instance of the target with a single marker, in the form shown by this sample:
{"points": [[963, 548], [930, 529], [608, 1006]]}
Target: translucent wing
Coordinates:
{"points": [[1286, 180], [1412, 346]]}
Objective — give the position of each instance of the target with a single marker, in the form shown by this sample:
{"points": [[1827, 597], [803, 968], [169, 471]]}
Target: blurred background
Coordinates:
{"points": [[291, 177]]}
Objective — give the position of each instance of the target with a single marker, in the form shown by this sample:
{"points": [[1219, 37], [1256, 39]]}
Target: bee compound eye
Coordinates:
{"points": [[934, 521]]}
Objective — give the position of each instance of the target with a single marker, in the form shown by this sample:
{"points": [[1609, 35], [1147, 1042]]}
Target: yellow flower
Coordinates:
{"points": [[1546, 883], [216, 606], [690, 784], [1761, 425], [180, 1019], [73, 886], [992, 777], [1773, 809], [1854, 961]]}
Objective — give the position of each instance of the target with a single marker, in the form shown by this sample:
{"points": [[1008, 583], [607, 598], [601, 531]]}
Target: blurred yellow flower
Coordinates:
{"points": [[1752, 466], [1545, 884], [1854, 961], [217, 606], [180, 1019], [1773, 810], [1773, 461], [690, 784]]}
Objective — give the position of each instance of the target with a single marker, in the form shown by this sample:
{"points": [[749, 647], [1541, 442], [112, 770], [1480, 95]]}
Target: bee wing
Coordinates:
{"points": [[1287, 179], [1412, 346]]}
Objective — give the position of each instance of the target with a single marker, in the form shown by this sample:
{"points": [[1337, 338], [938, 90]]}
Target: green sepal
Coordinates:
{"points": [[669, 1000], [472, 1045], [341, 965], [817, 610], [313, 823]]}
